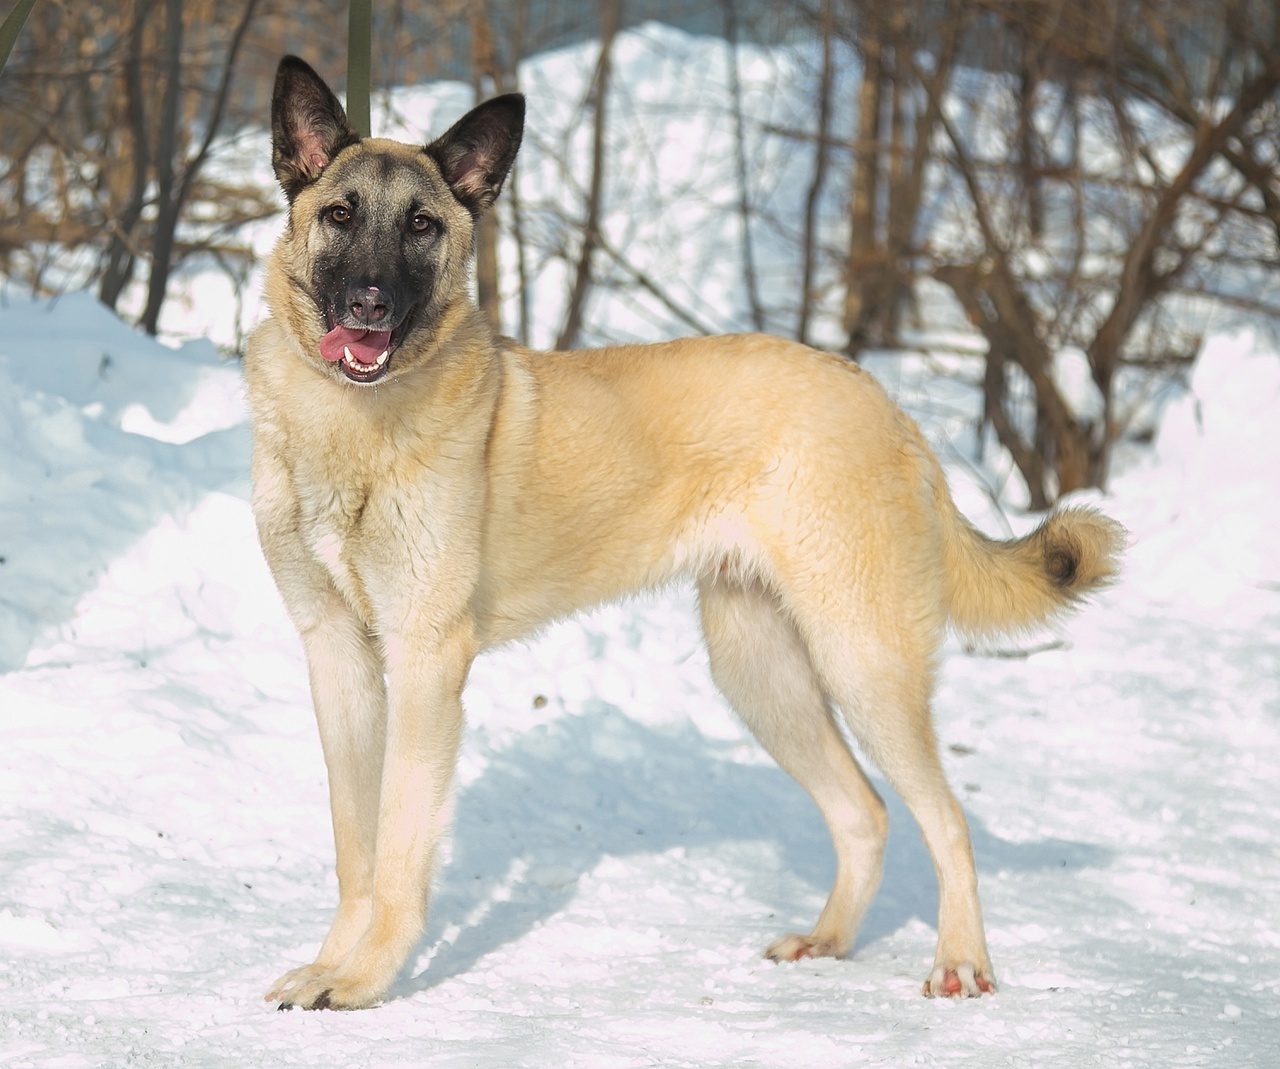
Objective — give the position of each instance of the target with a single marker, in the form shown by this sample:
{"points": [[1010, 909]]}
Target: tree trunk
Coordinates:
{"points": [[514, 201], [808, 251], [484, 69], [749, 280], [610, 18], [167, 206], [119, 257], [1060, 456], [172, 188], [863, 260]]}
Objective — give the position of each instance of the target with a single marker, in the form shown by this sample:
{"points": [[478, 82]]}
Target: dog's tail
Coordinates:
{"points": [[995, 587]]}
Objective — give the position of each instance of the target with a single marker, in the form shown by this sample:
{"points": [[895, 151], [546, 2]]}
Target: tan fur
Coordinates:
{"points": [[1006, 587], [482, 489]]}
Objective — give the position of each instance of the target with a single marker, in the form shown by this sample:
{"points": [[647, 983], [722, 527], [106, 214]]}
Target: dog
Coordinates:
{"points": [[424, 490]]}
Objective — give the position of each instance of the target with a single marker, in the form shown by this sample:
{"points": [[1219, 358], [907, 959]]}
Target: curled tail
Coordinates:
{"points": [[998, 587]]}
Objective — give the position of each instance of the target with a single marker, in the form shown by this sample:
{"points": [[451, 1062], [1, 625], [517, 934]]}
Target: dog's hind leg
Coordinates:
{"points": [[881, 677], [761, 665]]}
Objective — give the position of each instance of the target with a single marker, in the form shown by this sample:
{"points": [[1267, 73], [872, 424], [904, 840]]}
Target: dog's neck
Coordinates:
{"points": [[460, 325]]}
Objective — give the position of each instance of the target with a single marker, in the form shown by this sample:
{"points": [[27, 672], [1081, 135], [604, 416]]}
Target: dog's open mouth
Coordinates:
{"points": [[362, 355]]}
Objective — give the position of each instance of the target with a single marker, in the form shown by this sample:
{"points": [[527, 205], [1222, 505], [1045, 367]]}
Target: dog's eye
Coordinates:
{"points": [[421, 222], [340, 214]]}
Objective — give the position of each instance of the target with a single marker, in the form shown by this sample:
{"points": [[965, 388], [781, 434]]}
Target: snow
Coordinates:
{"points": [[622, 850]]}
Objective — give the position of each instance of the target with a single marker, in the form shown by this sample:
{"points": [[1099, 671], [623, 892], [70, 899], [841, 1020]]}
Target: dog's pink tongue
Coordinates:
{"points": [[365, 345]]}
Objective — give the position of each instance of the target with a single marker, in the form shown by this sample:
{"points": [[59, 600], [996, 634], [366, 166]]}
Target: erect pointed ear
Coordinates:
{"points": [[477, 151], [308, 126]]}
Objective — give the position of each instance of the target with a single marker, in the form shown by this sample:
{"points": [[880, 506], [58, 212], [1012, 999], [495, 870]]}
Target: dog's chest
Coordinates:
{"points": [[371, 531], [334, 522]]}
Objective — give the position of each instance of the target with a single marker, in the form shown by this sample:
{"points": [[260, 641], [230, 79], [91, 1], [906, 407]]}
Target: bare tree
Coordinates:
{"points": [[174, 181], [515, 203], [897, 115], [1067, 252], [1074, 174], [610, 20], [115, 112], [750, 282], [486, 79], [121, 254], [826, 33]]}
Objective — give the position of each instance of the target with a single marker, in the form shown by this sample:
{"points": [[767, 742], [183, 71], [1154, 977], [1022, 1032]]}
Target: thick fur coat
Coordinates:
{"points": [[424, 491]]}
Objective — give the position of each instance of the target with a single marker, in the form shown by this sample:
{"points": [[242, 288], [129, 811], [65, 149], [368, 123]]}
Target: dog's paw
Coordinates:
{"points": [[797, 947], [292, 981], [959, 981], [319, 987], [330, 991]]}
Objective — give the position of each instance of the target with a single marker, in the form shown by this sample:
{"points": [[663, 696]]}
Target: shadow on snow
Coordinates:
{"points": [[570, 793]]}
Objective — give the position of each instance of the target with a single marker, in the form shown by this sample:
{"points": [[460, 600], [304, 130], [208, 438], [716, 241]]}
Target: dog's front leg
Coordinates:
{"points": [[427, 669], [345, 668]]}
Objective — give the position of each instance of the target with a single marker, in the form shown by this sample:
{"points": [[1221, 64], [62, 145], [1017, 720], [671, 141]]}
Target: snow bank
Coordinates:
{"points": [[103, 433], [1207, 493]]}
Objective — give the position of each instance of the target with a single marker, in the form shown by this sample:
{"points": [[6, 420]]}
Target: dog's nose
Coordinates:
{"points": [[369, 305]]}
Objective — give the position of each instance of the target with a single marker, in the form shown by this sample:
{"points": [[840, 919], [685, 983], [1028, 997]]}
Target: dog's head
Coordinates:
{"points": [[380, 233]]}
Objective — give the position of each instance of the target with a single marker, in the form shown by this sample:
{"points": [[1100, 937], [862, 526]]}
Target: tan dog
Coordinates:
{"points": [[424, 491]]}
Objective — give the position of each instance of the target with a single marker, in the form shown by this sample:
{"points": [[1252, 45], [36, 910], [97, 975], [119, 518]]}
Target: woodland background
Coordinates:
{"points": [[1053, 198]]}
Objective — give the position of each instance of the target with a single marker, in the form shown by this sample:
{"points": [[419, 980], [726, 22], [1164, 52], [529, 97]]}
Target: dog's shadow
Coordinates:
{"points": [[574, 791]]}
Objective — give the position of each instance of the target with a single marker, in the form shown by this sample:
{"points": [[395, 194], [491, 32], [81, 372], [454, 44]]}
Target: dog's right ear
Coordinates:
{"points": [[308, 126]]}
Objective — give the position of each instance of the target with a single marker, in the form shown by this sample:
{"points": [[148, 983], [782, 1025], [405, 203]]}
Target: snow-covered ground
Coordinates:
{"points": [[622, 850]]}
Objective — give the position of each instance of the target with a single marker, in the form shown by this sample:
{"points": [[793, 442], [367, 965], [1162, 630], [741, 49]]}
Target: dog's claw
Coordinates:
{"points": [[799, 947], [963, 981]]}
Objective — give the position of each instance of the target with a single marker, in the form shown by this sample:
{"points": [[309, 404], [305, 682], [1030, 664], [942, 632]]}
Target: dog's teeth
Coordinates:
{"points": [[364, 369]]}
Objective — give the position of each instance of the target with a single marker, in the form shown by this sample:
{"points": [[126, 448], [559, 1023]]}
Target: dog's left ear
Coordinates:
{"points": [[477, 151], [308, 126]]}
